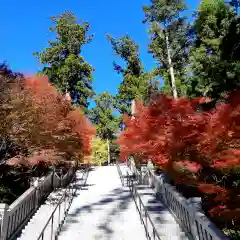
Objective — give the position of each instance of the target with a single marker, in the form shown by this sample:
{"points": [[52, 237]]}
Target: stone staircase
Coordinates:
{"points": [[36, 224], [164, 222], [158, 215], [105, 210]]}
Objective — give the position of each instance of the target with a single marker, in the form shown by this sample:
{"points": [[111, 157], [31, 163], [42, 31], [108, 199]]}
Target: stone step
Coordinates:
{"points": [[164, 222], [105, 211]]}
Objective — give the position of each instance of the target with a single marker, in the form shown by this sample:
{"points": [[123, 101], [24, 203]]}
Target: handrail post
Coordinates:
{"points": [[144, 216], [162, 186], [194, 203], [53, 176], [4, 220], [36, 186], [61, 178]]}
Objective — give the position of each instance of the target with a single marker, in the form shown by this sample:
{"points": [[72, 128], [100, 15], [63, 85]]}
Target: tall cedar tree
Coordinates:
{"points": [[214, 57], [169, 41], [7, 79], [102, 116], [136, 84], [64, 65]]}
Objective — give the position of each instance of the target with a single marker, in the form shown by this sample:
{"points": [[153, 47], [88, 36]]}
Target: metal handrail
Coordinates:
{"points": [[144, 216], [69, 193], [120, 173]]}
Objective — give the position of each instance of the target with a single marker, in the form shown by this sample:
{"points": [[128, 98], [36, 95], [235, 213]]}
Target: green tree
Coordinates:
{"points": [[214, 58], [102, 116], [168, 31], [137, 84], [62, 60], [235, 4], [107, 123], [99, 151], [115, 151]]}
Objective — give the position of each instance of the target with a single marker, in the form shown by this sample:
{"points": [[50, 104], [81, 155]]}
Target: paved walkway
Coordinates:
{"points": [[103, 210]]}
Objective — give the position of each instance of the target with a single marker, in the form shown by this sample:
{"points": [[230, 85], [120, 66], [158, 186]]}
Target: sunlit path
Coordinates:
{"points": [[103, 210]]}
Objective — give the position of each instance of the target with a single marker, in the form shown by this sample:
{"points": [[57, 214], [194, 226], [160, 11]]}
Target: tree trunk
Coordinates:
{"points": [[108, 151], [174, 89]]}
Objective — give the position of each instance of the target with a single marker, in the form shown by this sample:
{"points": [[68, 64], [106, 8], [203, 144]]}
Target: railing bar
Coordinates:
{"points": [[59, 213], [52, 228], [63, 198], [141, 205]]}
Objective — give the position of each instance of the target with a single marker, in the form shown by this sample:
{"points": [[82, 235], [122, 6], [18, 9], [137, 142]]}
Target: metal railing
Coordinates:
{"points": [[120, 173], [187, 212], [150, 230], [14, 218], [55, 222]]}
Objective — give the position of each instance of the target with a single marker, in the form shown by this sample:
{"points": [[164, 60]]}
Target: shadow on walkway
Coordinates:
{"points": [[118, 200]]}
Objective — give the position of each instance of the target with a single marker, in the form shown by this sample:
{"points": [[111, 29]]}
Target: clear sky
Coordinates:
{"points": [[24, 30]]}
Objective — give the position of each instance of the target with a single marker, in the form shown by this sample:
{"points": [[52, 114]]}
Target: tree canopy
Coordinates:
{"points": [[136, 84], [62, 60], [99, 151], [103, 117], [214, 65], [168, 30]]}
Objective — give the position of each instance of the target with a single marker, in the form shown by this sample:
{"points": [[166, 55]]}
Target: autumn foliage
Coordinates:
{"points": [[42, 122], [195, 147]]}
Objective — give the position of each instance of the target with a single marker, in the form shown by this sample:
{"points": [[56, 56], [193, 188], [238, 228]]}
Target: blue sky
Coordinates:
{"points": [[24, 30]]}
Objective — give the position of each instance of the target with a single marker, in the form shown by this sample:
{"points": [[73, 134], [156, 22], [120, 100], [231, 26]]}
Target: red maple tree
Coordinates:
{"points": [[195, 147], [44, 122]]}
